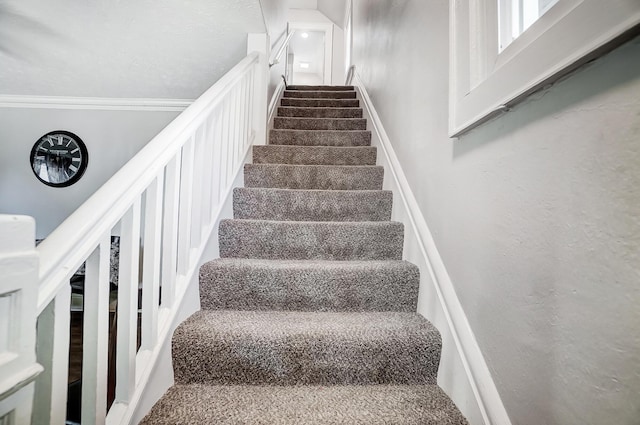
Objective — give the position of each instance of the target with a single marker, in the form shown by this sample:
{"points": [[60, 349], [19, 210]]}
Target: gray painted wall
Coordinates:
{"points": [[112, 138], [536, 214]]}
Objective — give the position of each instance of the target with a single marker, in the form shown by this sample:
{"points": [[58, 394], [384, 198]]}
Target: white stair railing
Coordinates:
{"points": [[163, 205]]}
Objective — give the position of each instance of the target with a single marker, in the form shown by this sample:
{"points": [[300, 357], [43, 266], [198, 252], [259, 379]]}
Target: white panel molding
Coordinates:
{"points": [[480, 388], [93, 103]]}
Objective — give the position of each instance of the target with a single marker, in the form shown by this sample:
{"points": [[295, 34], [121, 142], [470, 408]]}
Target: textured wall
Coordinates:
{"points": [[536, 214], [136, 48]]}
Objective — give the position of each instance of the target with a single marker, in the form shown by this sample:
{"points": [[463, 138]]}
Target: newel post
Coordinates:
{"points": [[260, 43], [18, 314]]}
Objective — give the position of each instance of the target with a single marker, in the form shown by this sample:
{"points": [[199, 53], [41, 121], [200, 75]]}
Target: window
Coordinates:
{"points": [[515, 16], [504, 50]]}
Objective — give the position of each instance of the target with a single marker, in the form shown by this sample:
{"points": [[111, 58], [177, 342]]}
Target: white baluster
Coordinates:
{"points": [[95, 338], [226, 142], [53, 354], [217, 163], [186, 197], [234, 130], [151, 263], [170, 230], [128, 277], [207, 171], [198, 173]]}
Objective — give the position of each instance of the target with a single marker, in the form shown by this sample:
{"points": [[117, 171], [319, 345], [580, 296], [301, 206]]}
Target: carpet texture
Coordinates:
{"points": [[314, 155], [285, 111], [309, 316], [305, 348], [303, 123], [321, 94], [249, 284], [312, 205], [305, 405], [324, 177], [319, 138], [322, 103]]}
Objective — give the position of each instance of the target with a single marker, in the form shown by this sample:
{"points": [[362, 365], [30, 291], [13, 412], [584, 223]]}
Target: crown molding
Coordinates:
{"points": [[93, 103]]}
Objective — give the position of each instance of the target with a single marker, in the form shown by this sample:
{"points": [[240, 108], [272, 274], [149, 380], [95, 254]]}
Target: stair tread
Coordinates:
{"points": [[330, 177], [297, 348], [307, 240], [319, 87], [312, 204], [301, 137], [265, 404], [314, 155], [309, 285], [319, 112], [292, 101]]}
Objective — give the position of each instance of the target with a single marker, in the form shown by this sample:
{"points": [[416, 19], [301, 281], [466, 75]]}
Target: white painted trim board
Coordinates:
{"points": [[463, 372], [93, 103]]}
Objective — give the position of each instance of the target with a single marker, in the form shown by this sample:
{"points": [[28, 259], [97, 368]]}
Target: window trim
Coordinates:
{"points": [[484, 83]]}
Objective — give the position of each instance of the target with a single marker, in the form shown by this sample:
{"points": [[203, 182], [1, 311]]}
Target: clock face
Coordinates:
{"points": [[59, 158]]}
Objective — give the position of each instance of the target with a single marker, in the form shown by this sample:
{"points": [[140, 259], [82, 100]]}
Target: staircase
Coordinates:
{"points": [[309, 315]]}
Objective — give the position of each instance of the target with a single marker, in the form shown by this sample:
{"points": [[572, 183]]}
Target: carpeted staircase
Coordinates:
{"points": [[309, 315]]}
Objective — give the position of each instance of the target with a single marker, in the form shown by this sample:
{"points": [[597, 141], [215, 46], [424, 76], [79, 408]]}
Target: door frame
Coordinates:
{"points": [[327, 28]]}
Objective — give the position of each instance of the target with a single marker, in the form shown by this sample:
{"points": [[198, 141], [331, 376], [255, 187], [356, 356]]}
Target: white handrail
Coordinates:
{"points": [[62, 252], [276, 58], [163, 205]]}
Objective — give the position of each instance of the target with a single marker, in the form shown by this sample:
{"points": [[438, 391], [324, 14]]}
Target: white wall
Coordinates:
{"points": [[335, 10], [135, 48], [112, 138], [337, 60], [535, 215]]}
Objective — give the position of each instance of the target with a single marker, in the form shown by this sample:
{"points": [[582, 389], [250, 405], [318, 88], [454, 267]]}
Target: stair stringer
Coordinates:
{"points": [[463, 373]]}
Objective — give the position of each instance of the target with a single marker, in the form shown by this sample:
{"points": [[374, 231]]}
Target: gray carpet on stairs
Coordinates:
{"points": [[320, 138], [311, 240], [323, 177], [324, 94], [305, 348], [314, 155], [320, 103], [304, 123], [286, 111], [248, 284], [305, 405], [321, 88], [312, 205], [309, 316]]}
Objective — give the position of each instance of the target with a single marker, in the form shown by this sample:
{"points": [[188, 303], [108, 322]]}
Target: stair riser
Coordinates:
{"points": [[320, 112], [216, 353], [321, 177], [310, 240], [306, 94], [311, 205], [320, 103], [314, 155], [320, 138], [321, 88], [330, 286], [320, 123]]}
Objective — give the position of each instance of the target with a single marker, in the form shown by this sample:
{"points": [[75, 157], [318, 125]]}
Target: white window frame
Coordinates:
{"points": [[485, 82]]}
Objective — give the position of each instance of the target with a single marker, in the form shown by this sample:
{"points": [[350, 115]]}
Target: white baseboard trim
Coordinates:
{"points": [[273, 103], [475, 393], [93, 103]]}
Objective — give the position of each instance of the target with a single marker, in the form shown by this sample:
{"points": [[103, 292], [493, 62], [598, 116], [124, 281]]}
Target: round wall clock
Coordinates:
{"points": [[59, 158]]}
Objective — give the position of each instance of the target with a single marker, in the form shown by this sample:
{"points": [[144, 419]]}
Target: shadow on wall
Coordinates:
{"points": [[620, 67], [13, 23]]}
